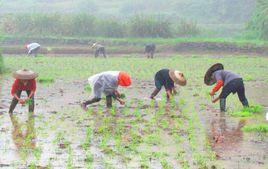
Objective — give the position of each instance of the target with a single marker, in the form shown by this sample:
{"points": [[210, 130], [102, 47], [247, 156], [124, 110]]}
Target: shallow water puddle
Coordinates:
{"points": [[143, 133]]}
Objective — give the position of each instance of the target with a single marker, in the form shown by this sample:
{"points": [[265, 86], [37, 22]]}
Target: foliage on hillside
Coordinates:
{"points": [[259, 22], [201, 11], [92, 26]]}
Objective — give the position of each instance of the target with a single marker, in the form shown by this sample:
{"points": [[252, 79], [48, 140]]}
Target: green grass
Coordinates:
{"points": [[145, 135], [248, 112], [87, 88], [82, 67], [1, 63], [262, 128], [242, 114], [136, 41], [45, 80]]}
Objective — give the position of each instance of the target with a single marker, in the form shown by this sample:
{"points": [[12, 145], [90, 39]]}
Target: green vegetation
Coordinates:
{"points": [[258, 25], [203, 11], [143, 133], [91, 26], [45, 80], [248, 112], [88, 88], [242, 114], [262, 128], [82, 67], [1, 63]]}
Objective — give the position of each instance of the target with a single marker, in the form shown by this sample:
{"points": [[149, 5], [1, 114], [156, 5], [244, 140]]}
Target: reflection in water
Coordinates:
{"points": [[25, 141], [223, 136]]}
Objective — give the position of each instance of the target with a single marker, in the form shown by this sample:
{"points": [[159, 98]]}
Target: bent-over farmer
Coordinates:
{"points": [[32, 48], [107, 83], [99, 49], [24, 81], [168, 79], [231, 83], [149, 50]]}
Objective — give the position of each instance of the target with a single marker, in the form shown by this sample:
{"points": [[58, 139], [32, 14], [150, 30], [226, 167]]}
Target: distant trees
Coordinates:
{"points": [[147, 26], [89, 25], [259, 22]]}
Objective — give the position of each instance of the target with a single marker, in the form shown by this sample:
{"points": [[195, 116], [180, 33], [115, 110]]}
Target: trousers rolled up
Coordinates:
{"points": [[15, 101]]}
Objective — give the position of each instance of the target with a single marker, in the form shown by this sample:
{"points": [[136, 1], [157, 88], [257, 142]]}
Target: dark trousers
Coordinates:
{"points": [[109, 100], [99, 51], [35, 51], [235, 86], [15, 102]]}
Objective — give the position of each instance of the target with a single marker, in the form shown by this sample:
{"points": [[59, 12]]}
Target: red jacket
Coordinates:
{"points": [[17, 85]]}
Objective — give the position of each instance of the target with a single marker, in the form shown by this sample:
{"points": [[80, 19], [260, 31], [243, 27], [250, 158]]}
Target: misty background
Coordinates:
{"points": [[131, 18]]}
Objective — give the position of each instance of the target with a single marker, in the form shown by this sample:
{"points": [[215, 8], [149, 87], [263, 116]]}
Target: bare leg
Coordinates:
{"points": [[155, 92]]}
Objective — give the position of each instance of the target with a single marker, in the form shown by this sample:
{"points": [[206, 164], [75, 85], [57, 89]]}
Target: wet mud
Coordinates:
{"points": [[56, 133]]}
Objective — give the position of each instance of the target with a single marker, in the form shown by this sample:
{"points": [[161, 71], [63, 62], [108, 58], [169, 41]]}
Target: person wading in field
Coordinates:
{"points": [[24, 81], [231, 83], [168, 79], [107, 83], [32, 48], [149, 50], [99, 49]]}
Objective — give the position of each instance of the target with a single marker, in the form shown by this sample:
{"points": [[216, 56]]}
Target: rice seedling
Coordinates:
{"points": [[136, 131], [241, 114], [248, 111], [261, 128], [70, 164], [45, 80], [165, 164], [87, 88]]}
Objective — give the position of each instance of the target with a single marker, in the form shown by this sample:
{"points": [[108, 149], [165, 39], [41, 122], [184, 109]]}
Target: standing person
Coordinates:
{"points": [[32, 48], [24, 81], [99, 49], [168, 79], [149, 50], [107, 83], [231, 83]]}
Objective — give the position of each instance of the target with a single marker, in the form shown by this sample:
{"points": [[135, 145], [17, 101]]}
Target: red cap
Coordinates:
{"points": [[124, 79]]}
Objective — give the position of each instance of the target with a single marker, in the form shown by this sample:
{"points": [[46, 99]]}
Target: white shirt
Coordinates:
{"points": [[105, 82], [32, 46]]}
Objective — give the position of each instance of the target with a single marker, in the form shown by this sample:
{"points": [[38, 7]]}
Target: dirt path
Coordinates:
{"points": [[59, 121], [200, 48]]}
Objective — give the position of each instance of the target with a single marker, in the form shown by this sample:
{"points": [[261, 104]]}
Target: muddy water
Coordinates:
{"points": [[42, 138], [58, 121], [258, 92], [233, 147]]}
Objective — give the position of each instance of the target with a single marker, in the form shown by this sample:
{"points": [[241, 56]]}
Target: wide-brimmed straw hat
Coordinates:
{"points": [[25, 74], [178, 77], [208, 76]]}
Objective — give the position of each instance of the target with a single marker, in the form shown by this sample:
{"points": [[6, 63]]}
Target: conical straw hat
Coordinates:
{"points": [[178, 77], [25, 74], [208, 76]]}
